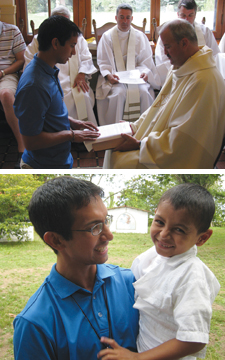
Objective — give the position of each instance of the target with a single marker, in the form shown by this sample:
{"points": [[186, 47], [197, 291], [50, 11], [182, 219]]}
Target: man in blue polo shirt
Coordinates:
{"points": [[46, 129], [83, 298]]}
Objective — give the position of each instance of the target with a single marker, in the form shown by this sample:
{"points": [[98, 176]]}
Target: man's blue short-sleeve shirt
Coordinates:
{"points": [[39, 106], [53, 326]]}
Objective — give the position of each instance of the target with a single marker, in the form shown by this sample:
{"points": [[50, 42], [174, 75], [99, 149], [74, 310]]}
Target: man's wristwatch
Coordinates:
{"points": [[3, 73]]}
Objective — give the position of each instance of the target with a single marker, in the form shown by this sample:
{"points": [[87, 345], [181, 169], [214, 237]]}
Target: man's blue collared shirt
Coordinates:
{"points": [[39, 106], [53, 326]]}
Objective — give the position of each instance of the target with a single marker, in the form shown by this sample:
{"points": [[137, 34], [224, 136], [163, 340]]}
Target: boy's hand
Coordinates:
{"points": [[115, 352]]}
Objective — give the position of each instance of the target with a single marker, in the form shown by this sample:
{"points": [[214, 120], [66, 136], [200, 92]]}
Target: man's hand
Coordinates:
{"points": [[113, 79], [81, 83], [115, 352], [129, 144], [81, 135], [144, 77], [79, 124]]}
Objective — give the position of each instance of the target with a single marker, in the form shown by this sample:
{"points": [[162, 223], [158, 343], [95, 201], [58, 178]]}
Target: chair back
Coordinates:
{"points": [[34, 31], [83, 28], [99, 31]]}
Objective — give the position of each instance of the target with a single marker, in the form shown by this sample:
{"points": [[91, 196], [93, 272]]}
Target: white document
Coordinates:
{"points": [[130, 77], [109, 132]]}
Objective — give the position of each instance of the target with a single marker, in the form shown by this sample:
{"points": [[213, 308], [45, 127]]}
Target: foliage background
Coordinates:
{"points": [[142, 192]]}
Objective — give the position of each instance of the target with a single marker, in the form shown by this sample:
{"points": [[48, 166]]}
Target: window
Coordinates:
{"points": [[104, 11], [206, 9], [39, 10]]}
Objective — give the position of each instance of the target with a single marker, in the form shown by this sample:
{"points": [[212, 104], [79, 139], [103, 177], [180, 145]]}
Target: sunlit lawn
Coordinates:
{"points": [[23, 267]]}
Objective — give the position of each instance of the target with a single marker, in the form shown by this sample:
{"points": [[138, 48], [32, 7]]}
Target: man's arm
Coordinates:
{"points": [[17, 65], [170, 350], [45, 140], [144, 61], [30, 343], [105, 56], [85, 64]]}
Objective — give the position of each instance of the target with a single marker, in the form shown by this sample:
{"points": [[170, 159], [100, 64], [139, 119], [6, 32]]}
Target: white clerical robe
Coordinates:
{"points": [[204, 36], [185, 126], [222, 44], [82, 63], [111, 98]]}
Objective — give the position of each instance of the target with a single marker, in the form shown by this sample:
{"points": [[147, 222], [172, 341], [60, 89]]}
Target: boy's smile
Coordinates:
{"points": [[173, 231]]}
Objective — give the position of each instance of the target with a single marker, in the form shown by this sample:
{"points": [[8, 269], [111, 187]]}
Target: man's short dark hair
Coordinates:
{"points": [[52, 205], [196, 200], [56, 26], [124, 6], [188, 4], [180, 29]]}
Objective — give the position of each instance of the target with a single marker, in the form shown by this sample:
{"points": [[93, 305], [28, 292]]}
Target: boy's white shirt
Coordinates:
{"points": [[165, 291]]}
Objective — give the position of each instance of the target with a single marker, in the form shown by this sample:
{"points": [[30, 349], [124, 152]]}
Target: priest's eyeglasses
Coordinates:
{"points": [[97, 228]]}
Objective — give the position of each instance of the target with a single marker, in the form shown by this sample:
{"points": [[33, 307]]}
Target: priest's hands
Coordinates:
{"points": [[113, 79], [144, 77], [129, 144], [81, 83], [115, 352]]}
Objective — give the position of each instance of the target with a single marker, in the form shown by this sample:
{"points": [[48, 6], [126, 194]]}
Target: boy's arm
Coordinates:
{"points": [[170, 350]]}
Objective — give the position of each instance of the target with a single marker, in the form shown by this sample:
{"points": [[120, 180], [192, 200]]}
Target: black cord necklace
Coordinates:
{"points": [[108, 315]]}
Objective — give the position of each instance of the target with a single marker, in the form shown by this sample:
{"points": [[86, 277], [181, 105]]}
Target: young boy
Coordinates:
{"points": [[174, 289]]}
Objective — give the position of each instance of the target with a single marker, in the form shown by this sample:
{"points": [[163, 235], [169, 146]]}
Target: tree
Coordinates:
{"points": [[141, 192], [15, 194], [144, 191]]}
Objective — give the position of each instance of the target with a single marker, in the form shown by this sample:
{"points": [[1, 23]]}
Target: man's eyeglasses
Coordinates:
{"points": [[97, 228]]}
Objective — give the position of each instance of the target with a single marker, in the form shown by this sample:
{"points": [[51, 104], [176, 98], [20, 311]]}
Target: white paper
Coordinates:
{"points": [[130, 77], [111, 131]]}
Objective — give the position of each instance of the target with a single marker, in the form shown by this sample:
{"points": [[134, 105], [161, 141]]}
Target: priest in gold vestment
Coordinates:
{"points": [[185, 126]]}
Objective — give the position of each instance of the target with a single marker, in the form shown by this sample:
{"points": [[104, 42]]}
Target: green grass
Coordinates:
{"points": [[23, 267]]}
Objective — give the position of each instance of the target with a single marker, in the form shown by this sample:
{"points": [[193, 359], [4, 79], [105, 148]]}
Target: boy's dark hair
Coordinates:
{"points": [[52, 204], [124, 6], [56, 26], [196, 200], [188, 4]]}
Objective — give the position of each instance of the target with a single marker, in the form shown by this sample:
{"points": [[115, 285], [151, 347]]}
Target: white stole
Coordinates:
{"points": [[132, 105], [77, 96], [200, 35]]}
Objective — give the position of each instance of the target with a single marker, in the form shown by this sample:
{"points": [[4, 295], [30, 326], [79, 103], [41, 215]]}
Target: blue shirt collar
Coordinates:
{"points": [[66, 288], [47, 68]]}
